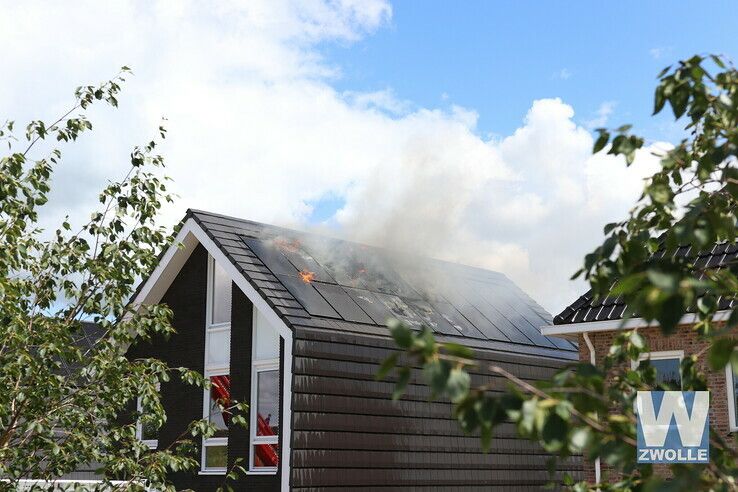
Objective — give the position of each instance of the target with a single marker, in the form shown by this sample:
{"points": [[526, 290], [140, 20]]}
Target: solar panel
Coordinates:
{"points": [[273, 259], [400, 309], [310, 298], [342, 303], [457, 320], [480, 322], [367, 285], [431, 318], [503, 314], [306, 263], [370, 304]]}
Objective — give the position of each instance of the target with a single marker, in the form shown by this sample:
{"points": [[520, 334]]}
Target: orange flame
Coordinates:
{"points": [[307, 276]]}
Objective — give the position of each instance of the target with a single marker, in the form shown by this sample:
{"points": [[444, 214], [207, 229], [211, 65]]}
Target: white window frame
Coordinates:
{"points": [[212, 370], [662, 355], [731, 398], [211, 441], [151, 443], [258, 366]]}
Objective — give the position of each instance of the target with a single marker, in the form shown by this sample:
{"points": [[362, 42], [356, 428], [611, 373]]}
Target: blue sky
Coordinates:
{"points": [[497, 56], [458, 130]]}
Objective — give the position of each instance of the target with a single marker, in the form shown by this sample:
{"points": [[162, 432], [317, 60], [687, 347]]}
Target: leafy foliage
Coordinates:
{"points": [[63, 404], [690, 201]]}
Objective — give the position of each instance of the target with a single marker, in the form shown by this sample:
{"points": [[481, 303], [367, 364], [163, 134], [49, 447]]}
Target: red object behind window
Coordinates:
{"points": [[220, 391], [265, 454]]}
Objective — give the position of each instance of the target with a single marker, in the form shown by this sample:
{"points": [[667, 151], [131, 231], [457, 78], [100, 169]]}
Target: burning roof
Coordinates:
{"points": [[310, 278]]}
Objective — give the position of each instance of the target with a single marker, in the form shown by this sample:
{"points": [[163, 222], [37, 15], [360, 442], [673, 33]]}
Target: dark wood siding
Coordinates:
{"points": [[349, 434], [183, 403]]}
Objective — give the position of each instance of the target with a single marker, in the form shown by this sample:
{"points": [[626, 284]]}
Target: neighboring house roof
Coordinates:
{"points": [[84, 339], [317, 282], [585, 309]]}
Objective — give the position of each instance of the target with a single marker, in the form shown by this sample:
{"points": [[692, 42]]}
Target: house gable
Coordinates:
{"points": [[193, 246]]}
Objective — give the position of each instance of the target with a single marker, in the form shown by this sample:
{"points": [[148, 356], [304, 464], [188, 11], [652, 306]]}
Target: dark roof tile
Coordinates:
{"points": [[587, 309]]}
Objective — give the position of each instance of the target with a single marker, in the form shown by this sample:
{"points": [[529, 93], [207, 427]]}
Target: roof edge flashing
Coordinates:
{"points": [[620, 324]]}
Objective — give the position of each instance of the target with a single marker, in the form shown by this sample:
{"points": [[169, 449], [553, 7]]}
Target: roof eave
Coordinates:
{"points": [[572, 330]]}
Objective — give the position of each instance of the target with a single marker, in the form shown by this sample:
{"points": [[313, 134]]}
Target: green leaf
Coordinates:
{"points": [[402, 334], [458, 385], [601, 141], [387, 365], [437, 374], [660, 193], [402, 380], [679, 99], [666, 281], [718, 61], [658, 99], [458, 350], [671, 313], [637, 340], [720, 352]]}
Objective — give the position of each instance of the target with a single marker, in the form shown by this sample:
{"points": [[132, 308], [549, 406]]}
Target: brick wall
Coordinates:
{"points": [[684, 339]]}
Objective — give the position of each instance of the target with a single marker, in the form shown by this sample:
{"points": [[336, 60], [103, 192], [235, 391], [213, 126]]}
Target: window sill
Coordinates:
{"points": [[269, 471], [151, 444], [211, 472]]}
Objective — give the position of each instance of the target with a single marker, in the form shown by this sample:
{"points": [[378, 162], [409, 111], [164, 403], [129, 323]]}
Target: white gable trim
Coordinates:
{"points": [[620, 324], [164, 274]]}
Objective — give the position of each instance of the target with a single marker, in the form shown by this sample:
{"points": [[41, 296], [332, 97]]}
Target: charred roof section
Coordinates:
{"points": [[313, 281]]}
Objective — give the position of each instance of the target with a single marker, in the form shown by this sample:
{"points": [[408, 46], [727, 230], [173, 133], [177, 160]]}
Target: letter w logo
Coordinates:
{"points": [[655, 427]]}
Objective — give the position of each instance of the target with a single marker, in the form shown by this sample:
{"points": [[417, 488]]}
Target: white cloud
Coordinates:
{"points": [[602, 115], [256, 129], [530, 204]]}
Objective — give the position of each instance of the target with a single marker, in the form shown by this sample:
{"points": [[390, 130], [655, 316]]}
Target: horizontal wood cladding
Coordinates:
{"points": [[348, 434], [441, 479], [406, 442], [422, 460], [417, 488], [412, 425]]}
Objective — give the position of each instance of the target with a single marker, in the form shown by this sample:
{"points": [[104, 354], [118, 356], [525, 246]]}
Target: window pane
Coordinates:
{"points": [[221, 299], [216, 456], [267, 339], [219, 348], [667, 372], [267, 407], [266, 455], [148, 429], [220, 396], [149, 432]]}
